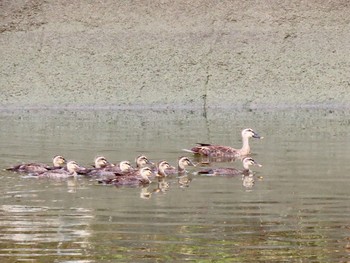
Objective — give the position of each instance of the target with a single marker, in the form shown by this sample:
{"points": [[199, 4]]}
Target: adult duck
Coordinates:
{"points": [[212, 150]]}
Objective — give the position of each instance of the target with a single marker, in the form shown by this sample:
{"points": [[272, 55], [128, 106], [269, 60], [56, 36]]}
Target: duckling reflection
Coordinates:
{"points": [[183, 161], [184, 181], [162, 186], [58, 162], [247, 162], [145, 193], [139, 178], [226, 151], [71, 171], [248, 180]]}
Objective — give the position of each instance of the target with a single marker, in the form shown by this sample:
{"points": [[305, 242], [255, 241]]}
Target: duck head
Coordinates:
{"points": [[142, 161], [183, 162], [248, 161], [101, 162], [249, 133], [162, 166], [73, 167], [59, 161], [125, 166], [145, 173]]}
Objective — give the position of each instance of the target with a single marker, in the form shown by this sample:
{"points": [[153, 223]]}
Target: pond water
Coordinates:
{"points": [[297, 210]]}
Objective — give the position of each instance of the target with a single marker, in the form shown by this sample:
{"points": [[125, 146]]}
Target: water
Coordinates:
{"points": [[297, 210]]}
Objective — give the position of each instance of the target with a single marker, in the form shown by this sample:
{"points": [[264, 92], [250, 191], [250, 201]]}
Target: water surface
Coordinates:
{"points": [[297, 210]]}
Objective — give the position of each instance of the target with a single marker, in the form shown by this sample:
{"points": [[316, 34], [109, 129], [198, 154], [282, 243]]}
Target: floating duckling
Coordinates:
{"points": [[137, 179], [142, 161], [162, 168], [71, 171], [226, 151], [101, 162], [123, 168], [182, 162], [58, 162], [247, 161]]}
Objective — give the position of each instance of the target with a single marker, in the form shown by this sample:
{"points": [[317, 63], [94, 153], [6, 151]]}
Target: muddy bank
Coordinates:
{"points": [[174, 54]]}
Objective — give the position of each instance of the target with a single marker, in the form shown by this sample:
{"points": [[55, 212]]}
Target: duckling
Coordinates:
{"points": [[142, 161], [226, 151], [139, 178], [162, 169], [122, 169], [100, 162], [72, 168], [247, 161], [58, 162], [183, 161]]}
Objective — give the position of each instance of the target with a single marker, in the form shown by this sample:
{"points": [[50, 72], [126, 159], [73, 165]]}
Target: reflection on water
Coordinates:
{"points": [[295, 207]]}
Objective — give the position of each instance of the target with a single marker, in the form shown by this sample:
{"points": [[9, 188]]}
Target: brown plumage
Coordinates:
{"points": [[138, 178], [182, 162], [58, 162], [247, 161], [212, 150]]}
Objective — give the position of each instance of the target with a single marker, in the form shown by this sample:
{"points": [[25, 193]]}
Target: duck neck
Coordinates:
{"points": [[74, 173], [245, 148], [161, 173], [181, 168]]}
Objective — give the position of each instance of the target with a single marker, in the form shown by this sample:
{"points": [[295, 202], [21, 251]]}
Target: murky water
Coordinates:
{"points": [[297, 210]]}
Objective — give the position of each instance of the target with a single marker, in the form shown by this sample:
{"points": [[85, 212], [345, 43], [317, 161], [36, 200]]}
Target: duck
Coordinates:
{"points": [[123, 168], [137, 179], [58, 162], [70, 171], [212, 150], [182, 162], [101, 162], [162, 169], [247, 162], [142, 161]]}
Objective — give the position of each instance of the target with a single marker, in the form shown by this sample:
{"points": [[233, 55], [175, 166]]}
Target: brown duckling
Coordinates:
{"points": [[226, 151], [101, 162], [58, 162], [123, 168], [137, 179], [182, 162], [247, 161], [162, 168], [70, 171], [142, 161]]}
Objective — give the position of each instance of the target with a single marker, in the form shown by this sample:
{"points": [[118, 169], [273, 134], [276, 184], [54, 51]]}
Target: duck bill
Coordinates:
{"points": [[150, 163], [257, 136], [258, 164], [191, 164]]}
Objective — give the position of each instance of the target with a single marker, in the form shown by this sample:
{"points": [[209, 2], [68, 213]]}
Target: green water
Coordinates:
{"points": [[297, 210]]}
